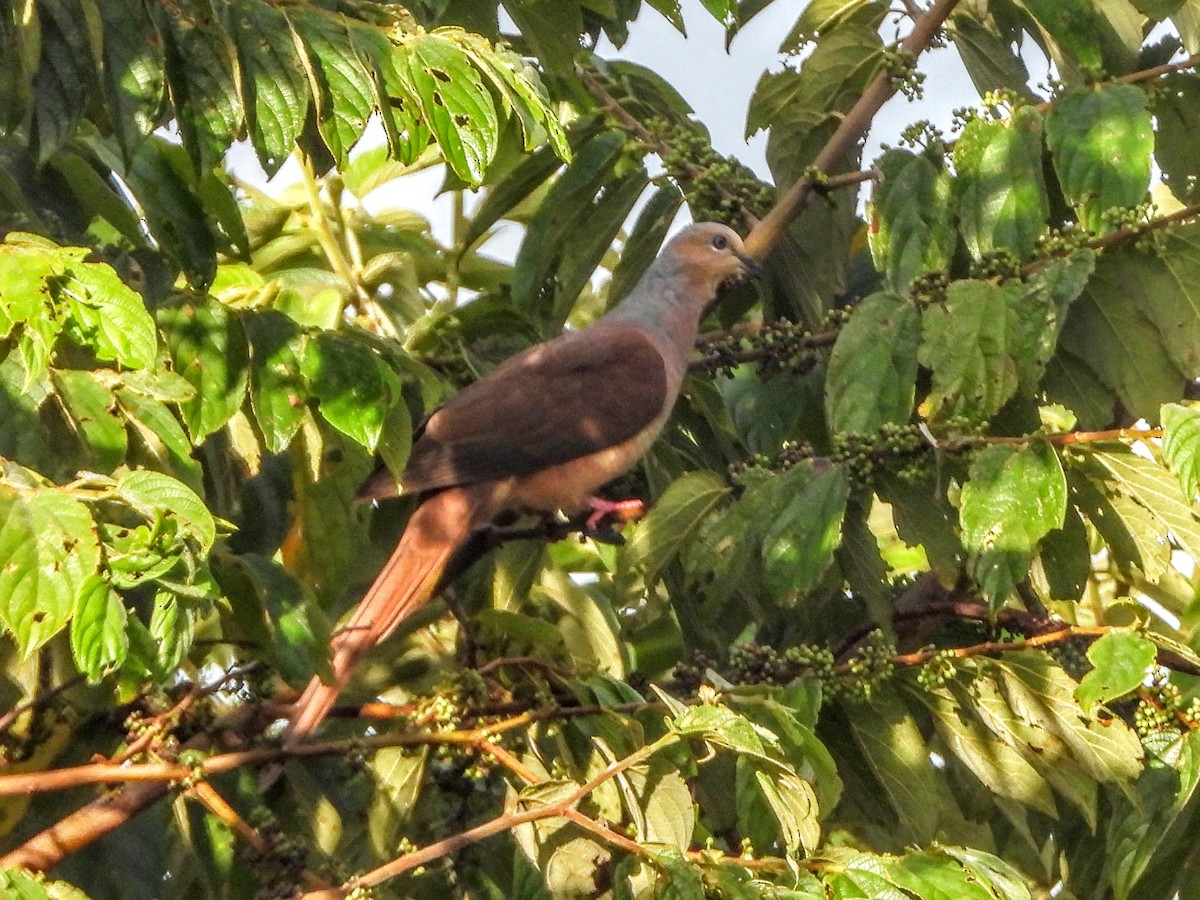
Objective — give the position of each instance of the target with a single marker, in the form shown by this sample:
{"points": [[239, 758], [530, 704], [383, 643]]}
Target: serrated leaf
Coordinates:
{"points": [[1002, 198], [893, 746], [274, 88], [969, 344], [354, 386], [133, 75], [1181, 444], [453, 100], [278, 392], [160, 437], [209, 348], [1109, 331], [66, 76], [912, 217], [1013, 498], [111, 315], [675, 517], [342, 88], [798, 545], [1101, 140], [1002, 769], [154, 494], [1175, 105], [91, 409], [201, 68], [990, 61], [1041, 693], [99, 643], [871, 381], [562, 215], [1152, 486], [172, 627], [48, 549], [1120, 661]]}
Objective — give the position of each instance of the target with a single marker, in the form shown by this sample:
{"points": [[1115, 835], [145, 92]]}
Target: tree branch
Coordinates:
{"points": [[852, 129]]}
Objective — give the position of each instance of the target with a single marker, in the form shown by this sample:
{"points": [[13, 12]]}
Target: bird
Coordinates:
{"points": [[539, 434]]}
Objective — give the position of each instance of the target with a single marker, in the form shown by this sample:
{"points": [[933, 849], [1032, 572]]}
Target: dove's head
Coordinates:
{"points": [[712, 254]]}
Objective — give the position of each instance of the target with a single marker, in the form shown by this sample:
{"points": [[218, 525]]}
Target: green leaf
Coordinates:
{"points": [[872, 373], [1041, 693], [1037, 317], [274, 88], [1108, 330], [453, 100], [896, 751], [91, 408], [912, 218], [798, 546], [1002, 198], [1001, 768], [160, 440], [209, 348], [1158, 817], [1120, 661], [1175, 105], [342, 88], [1152, 487], [133, 75], [989, 59], [202, 69], [521, 88], [562, 216], [645, 240], [48, 550], [99, 643], [969, 343], [172, 628], [674, 518], [1181, 444], [354, 386], [173, 213], [111, 315], [278, 391], [932, 875], [1086, 35], [1100, 140], [67, 76], [277, 610], [154, 494], [1012, 499]]}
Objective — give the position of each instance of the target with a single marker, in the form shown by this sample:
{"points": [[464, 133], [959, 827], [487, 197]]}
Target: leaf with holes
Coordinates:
{"points": [[209, 348], [1013, 497], [453, 100], [48, 550]]}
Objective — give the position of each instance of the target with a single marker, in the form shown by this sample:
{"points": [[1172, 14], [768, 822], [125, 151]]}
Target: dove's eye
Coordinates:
{"points": [[720, 242]]}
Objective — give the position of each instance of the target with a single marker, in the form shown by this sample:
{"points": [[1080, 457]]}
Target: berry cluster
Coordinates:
{"points": [[277, 862], [776, 346], [717, 187], [939, 670], [1001, 263], [1162, 708], [870, 667], [901, 66], [899, 449]]}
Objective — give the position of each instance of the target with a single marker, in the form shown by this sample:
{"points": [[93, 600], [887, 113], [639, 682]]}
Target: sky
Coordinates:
{"points": [[718, 85]]}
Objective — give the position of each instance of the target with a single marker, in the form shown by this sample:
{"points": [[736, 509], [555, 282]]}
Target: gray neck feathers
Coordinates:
{"points": [[667, 304]]}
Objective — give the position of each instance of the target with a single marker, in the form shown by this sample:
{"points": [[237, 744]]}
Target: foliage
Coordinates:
{"points": [[912, 613]]}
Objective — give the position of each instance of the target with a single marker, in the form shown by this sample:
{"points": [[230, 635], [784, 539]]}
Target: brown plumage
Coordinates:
{"points": [[540, 433]]}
